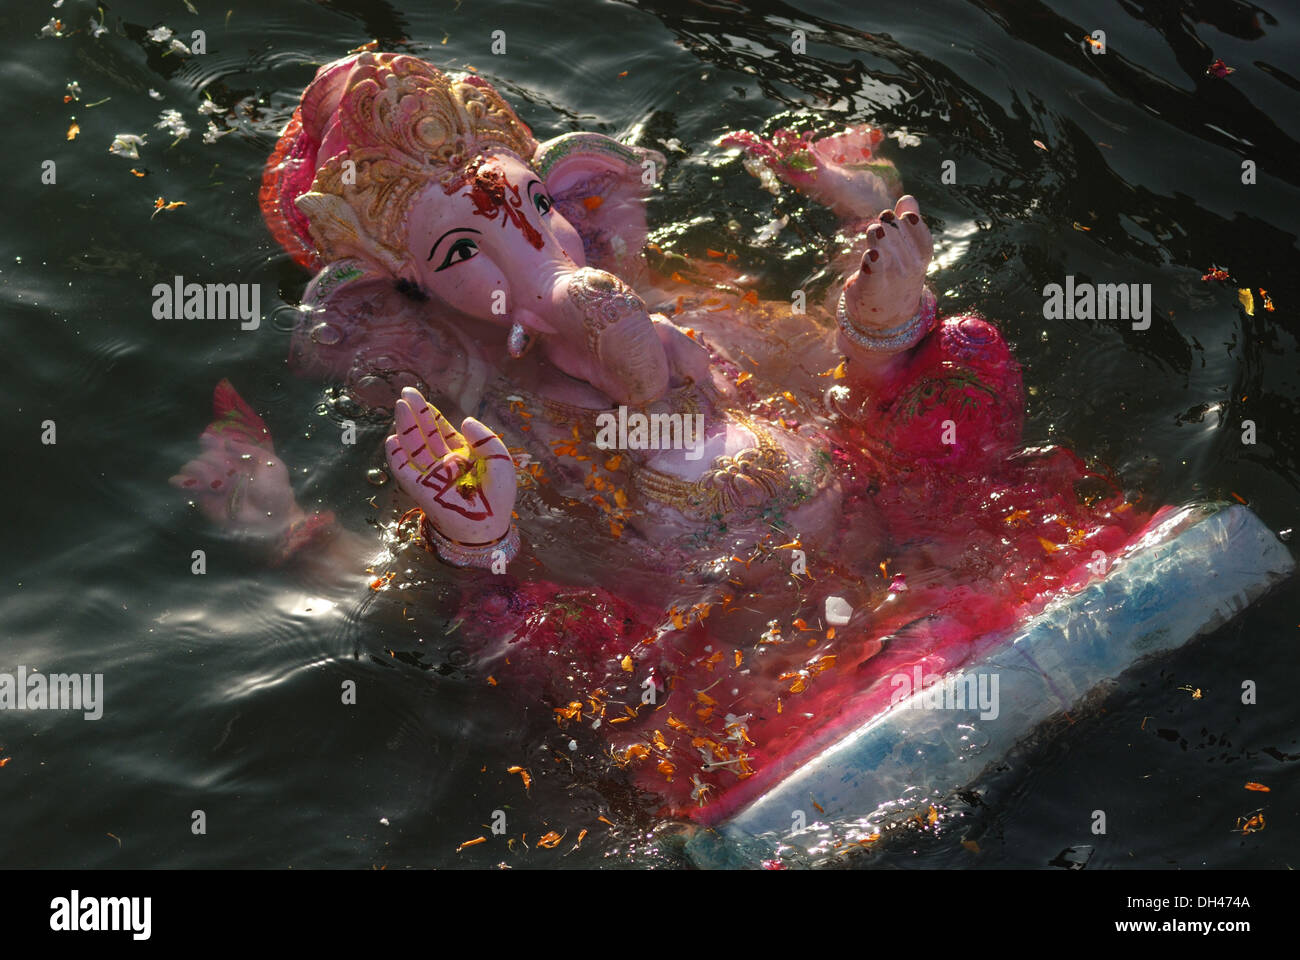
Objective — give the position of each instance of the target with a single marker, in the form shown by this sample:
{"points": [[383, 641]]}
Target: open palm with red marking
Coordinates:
{"points": [[463, 480]]}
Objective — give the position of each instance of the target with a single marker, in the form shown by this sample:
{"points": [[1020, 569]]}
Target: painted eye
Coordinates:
{"points": [[542, 202], [462, 250]]}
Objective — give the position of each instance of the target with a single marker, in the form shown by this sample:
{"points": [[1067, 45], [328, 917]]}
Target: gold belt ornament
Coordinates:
{"points": [[734, 482], [763, 474]]}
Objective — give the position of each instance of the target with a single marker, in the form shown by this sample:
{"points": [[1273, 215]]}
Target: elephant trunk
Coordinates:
{"points": [[618, 349]]}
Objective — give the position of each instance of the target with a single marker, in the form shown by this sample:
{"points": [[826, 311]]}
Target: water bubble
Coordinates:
{"points": [[377, 476], [326, 333], [405, 378], [284, 318]]}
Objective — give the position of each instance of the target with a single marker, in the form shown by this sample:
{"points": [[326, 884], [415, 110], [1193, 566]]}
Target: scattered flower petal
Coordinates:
{"points": [[160, 205], [172, 121], [1247, 301], [127, 145], [905, 138], [213, 134]]}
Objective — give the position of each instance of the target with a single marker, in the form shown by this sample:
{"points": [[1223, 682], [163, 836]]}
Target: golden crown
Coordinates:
{"points": [[407, 125]]}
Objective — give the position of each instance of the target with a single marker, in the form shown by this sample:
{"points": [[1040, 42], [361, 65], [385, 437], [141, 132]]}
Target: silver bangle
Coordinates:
{"points": [[900, 337], [472, 554]]}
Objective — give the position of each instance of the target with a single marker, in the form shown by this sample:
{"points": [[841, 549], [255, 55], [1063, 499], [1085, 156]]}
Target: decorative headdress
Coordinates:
{"points": [[404, 125]]}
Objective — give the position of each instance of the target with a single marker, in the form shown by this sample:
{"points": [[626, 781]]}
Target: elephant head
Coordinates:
{"points": [[435, 183]]}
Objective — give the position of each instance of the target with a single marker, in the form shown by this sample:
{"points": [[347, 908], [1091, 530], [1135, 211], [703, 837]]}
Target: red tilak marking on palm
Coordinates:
{"points": [[489, 193], [441, 479]]}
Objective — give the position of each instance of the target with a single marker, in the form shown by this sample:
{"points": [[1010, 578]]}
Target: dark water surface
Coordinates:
{"points": [[223, 690]]}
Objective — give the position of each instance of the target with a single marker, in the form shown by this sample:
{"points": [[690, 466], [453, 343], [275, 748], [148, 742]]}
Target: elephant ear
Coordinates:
{"points": [[334, 228], [600, 186]]}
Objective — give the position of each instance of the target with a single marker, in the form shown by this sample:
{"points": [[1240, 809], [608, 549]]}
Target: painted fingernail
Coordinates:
{"points": [[886, 217], [911, 218], [880, 233], [873, 255]]}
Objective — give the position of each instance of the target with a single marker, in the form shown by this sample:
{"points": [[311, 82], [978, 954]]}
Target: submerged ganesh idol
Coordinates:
{"points": [[842, 495]]}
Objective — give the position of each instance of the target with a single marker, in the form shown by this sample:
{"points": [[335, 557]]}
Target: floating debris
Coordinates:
{"points": [[838, 611]]}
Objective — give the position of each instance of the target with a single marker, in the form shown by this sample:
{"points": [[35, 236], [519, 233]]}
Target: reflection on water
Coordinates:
{"points": [[223, 690]]}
